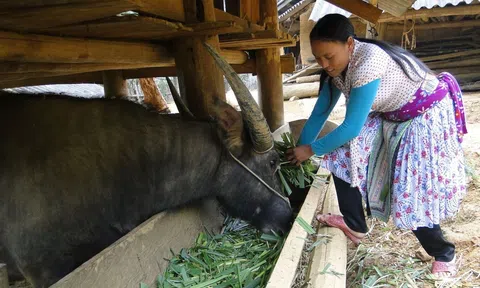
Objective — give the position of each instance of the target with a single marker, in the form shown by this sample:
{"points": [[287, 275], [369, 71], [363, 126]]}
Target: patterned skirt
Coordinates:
{"points": [[427, 175]]}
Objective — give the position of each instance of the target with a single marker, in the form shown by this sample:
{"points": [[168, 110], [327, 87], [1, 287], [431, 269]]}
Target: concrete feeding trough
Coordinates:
{"points": [[140, 255]]}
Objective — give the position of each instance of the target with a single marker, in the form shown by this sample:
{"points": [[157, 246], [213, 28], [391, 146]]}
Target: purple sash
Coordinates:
{"points": [[422, 101]]}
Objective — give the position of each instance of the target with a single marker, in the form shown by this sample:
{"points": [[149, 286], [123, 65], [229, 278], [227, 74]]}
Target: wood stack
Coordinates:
{"points": [[458, 55], [303, 84]]}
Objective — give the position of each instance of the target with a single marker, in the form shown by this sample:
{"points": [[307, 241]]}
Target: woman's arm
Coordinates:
{"points": [[321, 111], [359, 105]]}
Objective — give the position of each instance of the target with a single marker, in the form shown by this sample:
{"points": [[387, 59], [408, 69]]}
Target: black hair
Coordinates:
{"points": [[338, 28]]}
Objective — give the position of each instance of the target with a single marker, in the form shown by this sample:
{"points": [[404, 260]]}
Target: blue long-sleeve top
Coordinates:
{"points": [[358, 107]]}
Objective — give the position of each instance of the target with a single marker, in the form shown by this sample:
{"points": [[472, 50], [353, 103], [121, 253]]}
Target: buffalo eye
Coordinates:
{"points": [[273, 164]]}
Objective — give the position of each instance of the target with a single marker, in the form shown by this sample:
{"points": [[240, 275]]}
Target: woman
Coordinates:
{"points": [[399, 145]]}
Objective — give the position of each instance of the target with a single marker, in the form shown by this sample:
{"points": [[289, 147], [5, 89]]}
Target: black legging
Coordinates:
{"points": [[350, 202]]}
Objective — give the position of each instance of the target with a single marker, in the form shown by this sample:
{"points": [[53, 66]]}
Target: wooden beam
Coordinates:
{"points": [[48, 49], [359, 8], [114, 85], [265, 37], [450, 55], [40, 75], [433, 12], [247, 25], [234, 58], [143, 28], [453, 63], [287, 63], [269, 74], [38, 48], [93, 77], [439, 25], [45, 16], [170, 9], [199, 77]]}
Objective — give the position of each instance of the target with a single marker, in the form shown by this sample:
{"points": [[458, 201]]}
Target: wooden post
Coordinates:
{"points": [[305, 27], [199, 78], [114, 84], [152, 95], [3, 276], [269, 75]]}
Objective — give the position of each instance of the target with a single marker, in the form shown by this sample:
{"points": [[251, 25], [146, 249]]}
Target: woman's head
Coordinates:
{"points": [[332, 43]]}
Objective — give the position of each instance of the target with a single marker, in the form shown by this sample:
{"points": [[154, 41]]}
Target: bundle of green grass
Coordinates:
{"points": [[240, 256]]}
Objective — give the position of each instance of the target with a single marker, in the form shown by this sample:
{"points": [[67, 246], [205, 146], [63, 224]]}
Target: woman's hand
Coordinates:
{"points": [[299, 154]]}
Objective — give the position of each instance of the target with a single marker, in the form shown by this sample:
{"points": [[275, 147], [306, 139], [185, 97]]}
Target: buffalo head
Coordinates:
{"points": [[248, 184]]}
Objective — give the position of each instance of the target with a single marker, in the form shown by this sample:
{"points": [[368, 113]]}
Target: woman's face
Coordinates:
{"points": [[333, 56]]}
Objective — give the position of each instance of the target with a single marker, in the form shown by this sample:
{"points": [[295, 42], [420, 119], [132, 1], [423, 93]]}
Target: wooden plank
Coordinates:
{"points": [[440, 25], [92, 77], [34, 19], [139, 255], [433, 12], [114, 85], [283, 273], [41, 76], [287, 66], [120, 27], [453, 63], [48, 49], [359, 8], [247, 25], [143, 28], [248, 41], [332, 256], [65, 68], [169, 9], [38, 48], [450, 55]]}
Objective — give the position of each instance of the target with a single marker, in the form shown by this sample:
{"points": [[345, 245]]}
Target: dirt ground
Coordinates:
{"points": [[393, 258]]}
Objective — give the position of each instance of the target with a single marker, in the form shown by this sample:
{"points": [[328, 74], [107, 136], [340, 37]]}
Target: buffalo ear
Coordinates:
{"points": [[230, 124]]}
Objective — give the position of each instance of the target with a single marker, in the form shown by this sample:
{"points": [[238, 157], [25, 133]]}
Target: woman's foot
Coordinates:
{"points": [[338, 222], [444, 270]]}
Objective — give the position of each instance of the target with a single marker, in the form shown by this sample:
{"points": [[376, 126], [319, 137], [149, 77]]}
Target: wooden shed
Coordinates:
{"points": [[109, 41]]}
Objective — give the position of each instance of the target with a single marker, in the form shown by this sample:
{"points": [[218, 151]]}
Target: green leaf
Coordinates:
{"points": [[307, 227]]}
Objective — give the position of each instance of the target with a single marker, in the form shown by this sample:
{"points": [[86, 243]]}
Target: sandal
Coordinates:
{"points": [[444, 267], [338, 222]]}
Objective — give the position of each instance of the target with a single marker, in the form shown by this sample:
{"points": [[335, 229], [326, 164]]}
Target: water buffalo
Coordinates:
{"points": [[77, 174]]}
